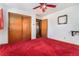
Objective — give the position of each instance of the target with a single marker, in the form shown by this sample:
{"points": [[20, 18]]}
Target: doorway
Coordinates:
{"points": [[19, 27], [38, 28], [41, 28]]}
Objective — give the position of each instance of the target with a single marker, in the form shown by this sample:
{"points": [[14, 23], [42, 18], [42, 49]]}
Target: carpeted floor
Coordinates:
{"points": [[40, 47]]}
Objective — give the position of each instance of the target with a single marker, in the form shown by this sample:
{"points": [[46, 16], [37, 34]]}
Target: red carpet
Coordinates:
{"points": [[40, 47]]}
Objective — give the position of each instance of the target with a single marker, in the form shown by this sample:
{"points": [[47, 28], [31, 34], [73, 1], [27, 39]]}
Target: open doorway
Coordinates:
{"points": [[41, 28]]}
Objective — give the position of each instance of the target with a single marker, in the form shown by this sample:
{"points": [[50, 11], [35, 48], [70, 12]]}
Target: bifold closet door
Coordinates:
{"points": [[15, 27], [26, 27], [44, 27]]}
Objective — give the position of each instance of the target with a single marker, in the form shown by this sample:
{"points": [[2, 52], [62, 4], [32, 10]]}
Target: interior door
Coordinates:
{"points": [[26, 27], [15, 27], [19, 27], [44, 27]]}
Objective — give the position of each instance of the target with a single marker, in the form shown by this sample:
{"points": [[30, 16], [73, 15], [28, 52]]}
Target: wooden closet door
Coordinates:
{"points": [[44, 26], [26, 27], [15, 28]]}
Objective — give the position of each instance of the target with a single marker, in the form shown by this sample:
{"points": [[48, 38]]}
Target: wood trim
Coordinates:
{"points": [[19, 14]]}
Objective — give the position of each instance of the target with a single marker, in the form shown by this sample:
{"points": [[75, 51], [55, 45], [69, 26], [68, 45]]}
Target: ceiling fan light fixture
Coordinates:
{"points": [[43, 6]]}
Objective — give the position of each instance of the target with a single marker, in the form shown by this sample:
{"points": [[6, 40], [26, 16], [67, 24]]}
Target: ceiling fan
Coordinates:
{"points": [[43, 6]]}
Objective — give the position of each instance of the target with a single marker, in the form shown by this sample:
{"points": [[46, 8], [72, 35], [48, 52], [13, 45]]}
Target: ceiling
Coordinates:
{"points": [[30, 6]]}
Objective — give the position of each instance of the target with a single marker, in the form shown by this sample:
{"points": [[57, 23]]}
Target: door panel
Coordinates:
{"points": [[44, 26], [26, 27], [15, 28], [19, 27]]}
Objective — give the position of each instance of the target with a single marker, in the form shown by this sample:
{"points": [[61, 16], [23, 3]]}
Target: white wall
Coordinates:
{"points": [[63, 32], [4, 32]]}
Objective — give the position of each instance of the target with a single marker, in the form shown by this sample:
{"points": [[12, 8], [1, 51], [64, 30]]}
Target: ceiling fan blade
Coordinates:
{"points": [[36, 7], [53, 6]]}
